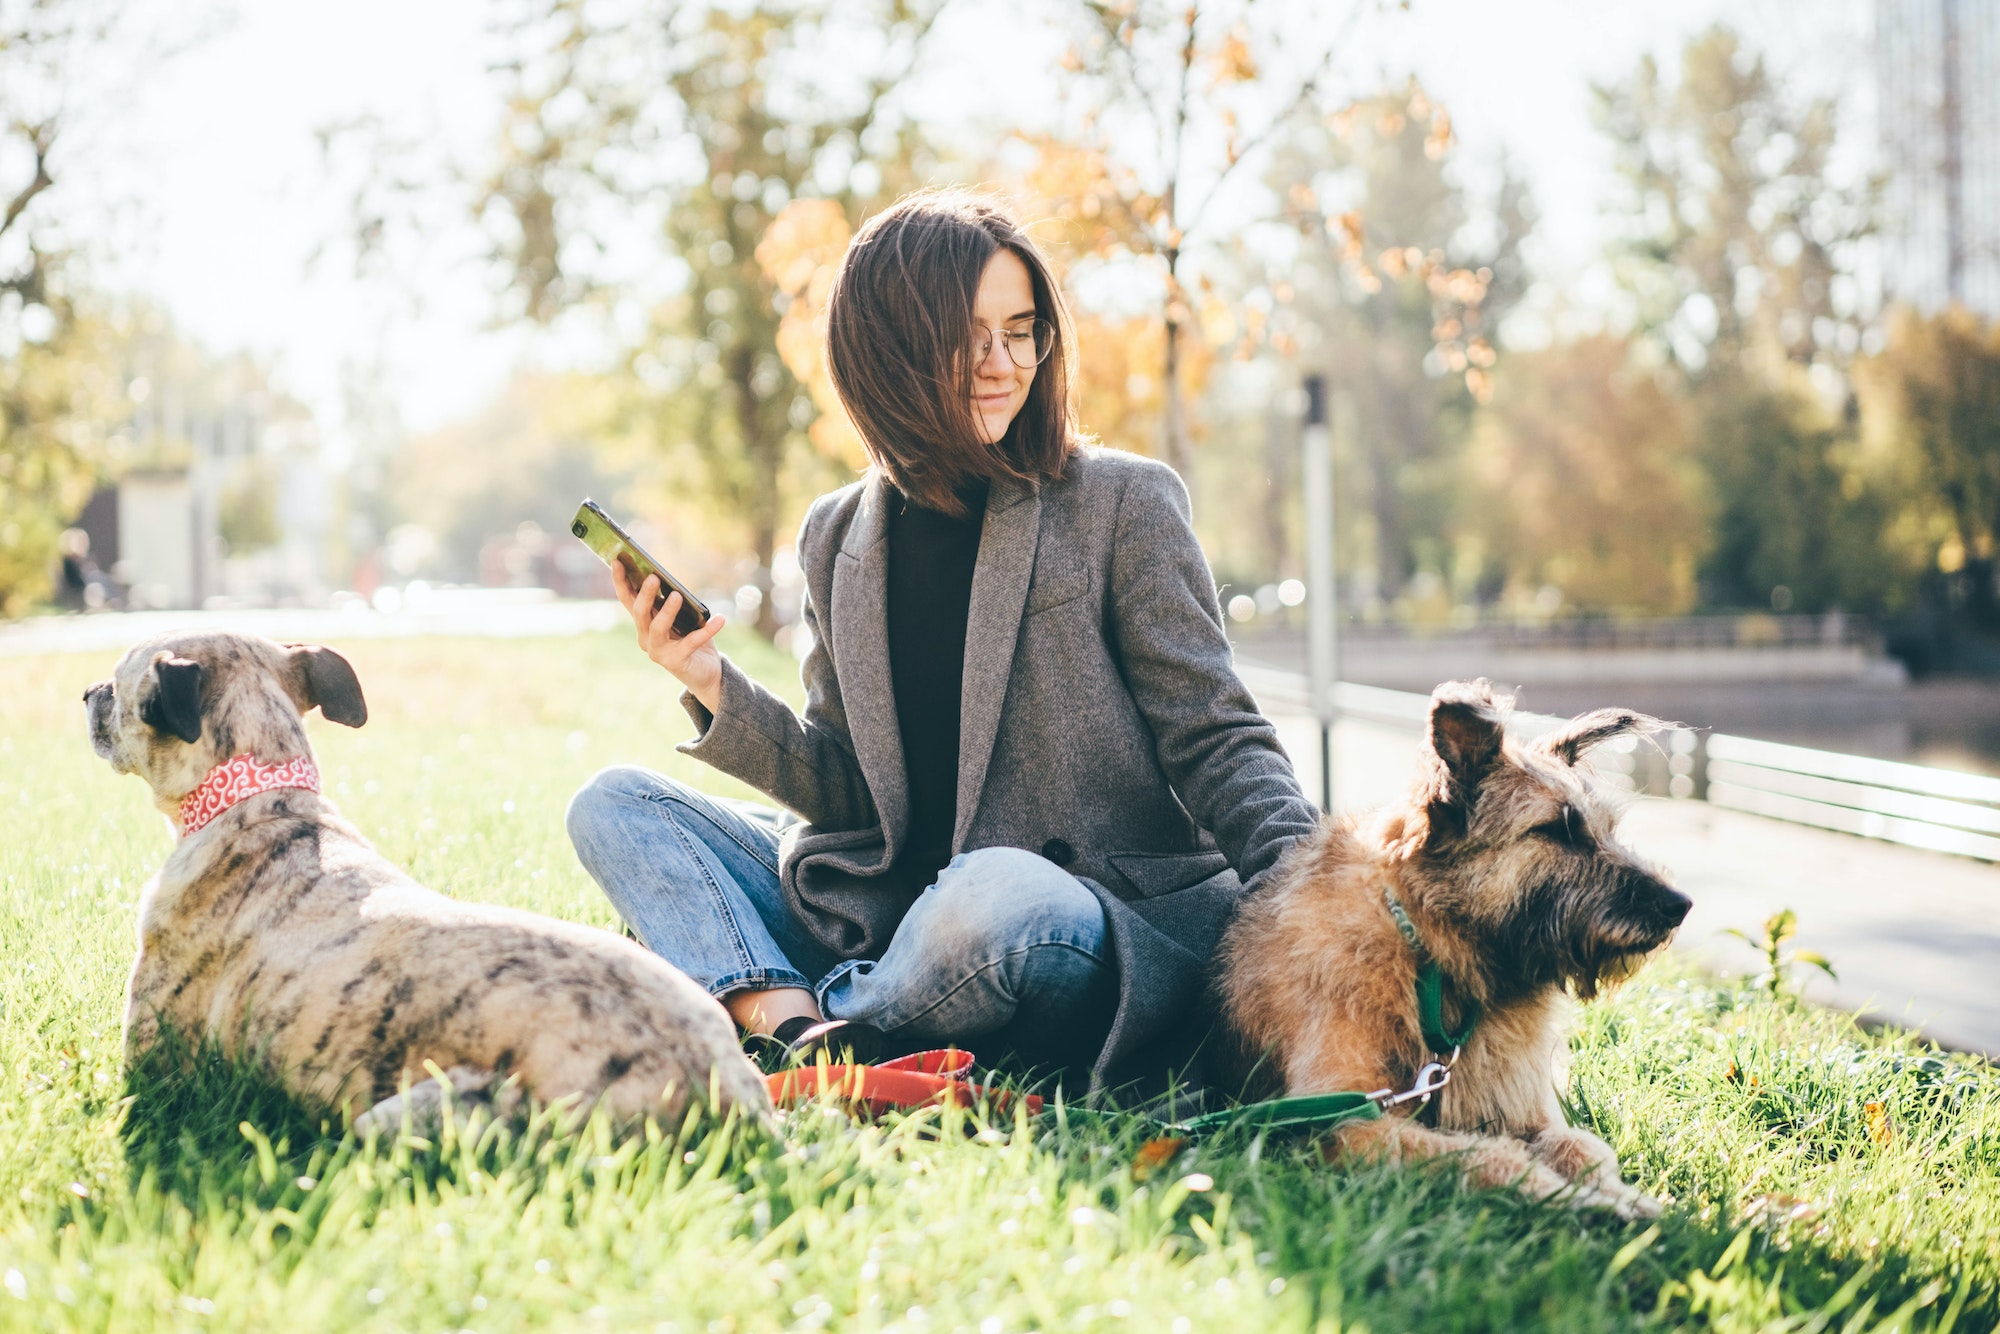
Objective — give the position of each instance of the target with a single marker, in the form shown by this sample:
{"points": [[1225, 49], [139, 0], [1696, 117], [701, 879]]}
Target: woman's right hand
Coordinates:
{"points": [[692, 659]]}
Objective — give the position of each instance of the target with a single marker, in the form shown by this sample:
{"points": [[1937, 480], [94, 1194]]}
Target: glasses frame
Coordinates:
{"points": [[982, 348]]}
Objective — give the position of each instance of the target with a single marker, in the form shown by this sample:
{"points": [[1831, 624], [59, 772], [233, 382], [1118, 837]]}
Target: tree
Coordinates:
{"points": [[1799, 525], [1383, 275], [1588, 482], [706, 122], [542, 447], [1178, 96], [1737, 241], [1087, 212], [59, 400], [58, 395], [1930, 404], [800, 256], [1737, 251]]}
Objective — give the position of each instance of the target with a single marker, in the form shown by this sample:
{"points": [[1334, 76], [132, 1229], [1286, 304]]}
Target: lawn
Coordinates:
{"points": [[1818, 1176]]}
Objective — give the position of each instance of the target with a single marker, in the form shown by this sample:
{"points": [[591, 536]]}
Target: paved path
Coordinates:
{"points": [[497, 613], [1915, 935]]}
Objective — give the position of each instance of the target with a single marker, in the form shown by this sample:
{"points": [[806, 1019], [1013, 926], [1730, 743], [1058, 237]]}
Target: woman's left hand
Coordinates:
{"points": [[692, 658]]}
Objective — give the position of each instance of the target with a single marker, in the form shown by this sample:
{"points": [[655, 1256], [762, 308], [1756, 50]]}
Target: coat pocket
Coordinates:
{"points": [[1148, 875], [1059, 578]]}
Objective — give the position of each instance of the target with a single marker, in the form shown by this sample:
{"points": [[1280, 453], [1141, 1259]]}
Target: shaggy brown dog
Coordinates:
{"points": [[277, 930], [1505, 865]]}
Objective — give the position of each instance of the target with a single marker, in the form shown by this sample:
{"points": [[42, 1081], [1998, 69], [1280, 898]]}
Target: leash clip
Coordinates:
{"points": [[1430, 1079]]}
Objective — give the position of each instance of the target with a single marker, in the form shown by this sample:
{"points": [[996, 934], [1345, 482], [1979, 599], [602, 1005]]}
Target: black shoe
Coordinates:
{"points": [[844, 1043], [765, 1051]]}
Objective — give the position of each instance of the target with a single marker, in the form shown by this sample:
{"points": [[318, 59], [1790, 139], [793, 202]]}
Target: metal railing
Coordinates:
{"points": [[1939, 809], [1833, 630], [1942, 810], [1752, 630]]}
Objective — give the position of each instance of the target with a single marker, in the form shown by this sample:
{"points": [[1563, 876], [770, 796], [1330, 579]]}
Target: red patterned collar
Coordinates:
{"points": [[239, 780]]}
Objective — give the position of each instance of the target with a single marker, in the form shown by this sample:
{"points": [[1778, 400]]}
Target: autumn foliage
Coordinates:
{"points": [[1590, 481], [800, 255]]}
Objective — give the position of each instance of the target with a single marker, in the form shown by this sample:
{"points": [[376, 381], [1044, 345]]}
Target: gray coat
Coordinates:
{"points": [[1102, 725]]}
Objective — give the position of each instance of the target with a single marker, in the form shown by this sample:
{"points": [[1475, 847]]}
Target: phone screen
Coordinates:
{"points": [[601, 533]]}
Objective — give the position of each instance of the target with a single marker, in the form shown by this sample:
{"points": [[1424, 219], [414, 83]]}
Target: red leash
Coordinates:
{"points": [[921, 1079]]}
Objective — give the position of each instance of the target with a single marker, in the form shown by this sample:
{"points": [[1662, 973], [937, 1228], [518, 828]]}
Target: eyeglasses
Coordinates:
{"points": [[1026, 348]]}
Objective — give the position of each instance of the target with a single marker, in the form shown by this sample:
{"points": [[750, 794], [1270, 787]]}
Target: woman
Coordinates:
{"points": [[1028, 783]]}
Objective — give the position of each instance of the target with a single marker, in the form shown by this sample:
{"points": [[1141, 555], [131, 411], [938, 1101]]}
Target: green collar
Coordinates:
{"points": [[1430, 986]]}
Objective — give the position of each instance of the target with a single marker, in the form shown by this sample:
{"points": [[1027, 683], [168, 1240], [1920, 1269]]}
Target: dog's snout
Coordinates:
{"points": [[1664, 906], [1649, 906], [97, 708]]}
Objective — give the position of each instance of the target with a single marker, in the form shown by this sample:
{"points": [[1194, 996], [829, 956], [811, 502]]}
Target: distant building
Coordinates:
{"points": [[227, 500], [1937, 71], [158, 544]]}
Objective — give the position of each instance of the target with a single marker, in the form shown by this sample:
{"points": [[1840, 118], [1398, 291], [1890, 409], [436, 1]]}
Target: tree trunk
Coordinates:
{"points": [[1174, 445], [1280, 491], [765, 450], [1174, 438], [1385, 452]]}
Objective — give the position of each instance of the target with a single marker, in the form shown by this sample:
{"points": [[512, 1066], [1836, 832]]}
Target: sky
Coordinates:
{"points": [[206, 190]]}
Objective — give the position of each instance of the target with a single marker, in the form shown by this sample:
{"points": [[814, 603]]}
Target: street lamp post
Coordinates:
{"points": [[1322, 607]]}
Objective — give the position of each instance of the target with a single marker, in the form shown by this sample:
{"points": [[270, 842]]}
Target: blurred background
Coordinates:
{"points": [[1660, 339]]}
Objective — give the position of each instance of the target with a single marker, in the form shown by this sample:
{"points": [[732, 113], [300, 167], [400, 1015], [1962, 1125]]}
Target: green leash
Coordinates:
{"points": [[1313, 1109], [1325, 1110]]}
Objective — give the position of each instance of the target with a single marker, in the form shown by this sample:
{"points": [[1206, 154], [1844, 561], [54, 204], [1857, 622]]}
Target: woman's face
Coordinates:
{"points": [[1005, 300]]}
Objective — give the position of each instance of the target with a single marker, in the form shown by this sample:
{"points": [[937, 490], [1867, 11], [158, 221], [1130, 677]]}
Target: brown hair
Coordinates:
{"points": [[899, 346]]}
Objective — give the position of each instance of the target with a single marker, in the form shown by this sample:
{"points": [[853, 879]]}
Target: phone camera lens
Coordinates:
{"points": [[578, 528]]}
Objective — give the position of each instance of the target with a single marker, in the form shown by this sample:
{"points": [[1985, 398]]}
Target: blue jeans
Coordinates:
{"points": [[1006, 942]]}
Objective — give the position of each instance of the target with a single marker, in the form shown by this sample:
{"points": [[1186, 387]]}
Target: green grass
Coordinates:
{"points": [[211, 1201]]}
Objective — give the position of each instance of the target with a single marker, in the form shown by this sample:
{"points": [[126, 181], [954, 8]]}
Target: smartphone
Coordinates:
{"points": [[601, 533]]}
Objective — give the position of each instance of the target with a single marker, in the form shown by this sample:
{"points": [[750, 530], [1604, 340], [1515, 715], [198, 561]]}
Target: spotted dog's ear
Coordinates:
{"points": [[326, 679], [173, 704]]}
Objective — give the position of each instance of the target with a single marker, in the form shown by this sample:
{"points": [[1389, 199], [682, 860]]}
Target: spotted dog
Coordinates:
{"points": [[277, 930], [1501, 877]]}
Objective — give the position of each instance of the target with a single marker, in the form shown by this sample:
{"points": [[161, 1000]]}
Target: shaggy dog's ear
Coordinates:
{"points": [[324, 678], [173, 704], [1463, 740], [1568, 743]]}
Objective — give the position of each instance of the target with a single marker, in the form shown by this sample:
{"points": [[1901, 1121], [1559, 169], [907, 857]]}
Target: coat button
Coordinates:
{"points": [[1059, 851]]}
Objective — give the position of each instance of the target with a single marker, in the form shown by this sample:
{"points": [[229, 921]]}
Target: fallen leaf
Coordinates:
{"points": [[1780, 1210], [1155, 1154], [1880, 1128]]}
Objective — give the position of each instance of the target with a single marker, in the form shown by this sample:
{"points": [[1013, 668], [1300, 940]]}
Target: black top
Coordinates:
{"points": [[931, 556]]}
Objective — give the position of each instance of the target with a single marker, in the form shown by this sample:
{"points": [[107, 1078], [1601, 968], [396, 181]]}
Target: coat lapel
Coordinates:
{"points": [[860, 615], [999, 591]]}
